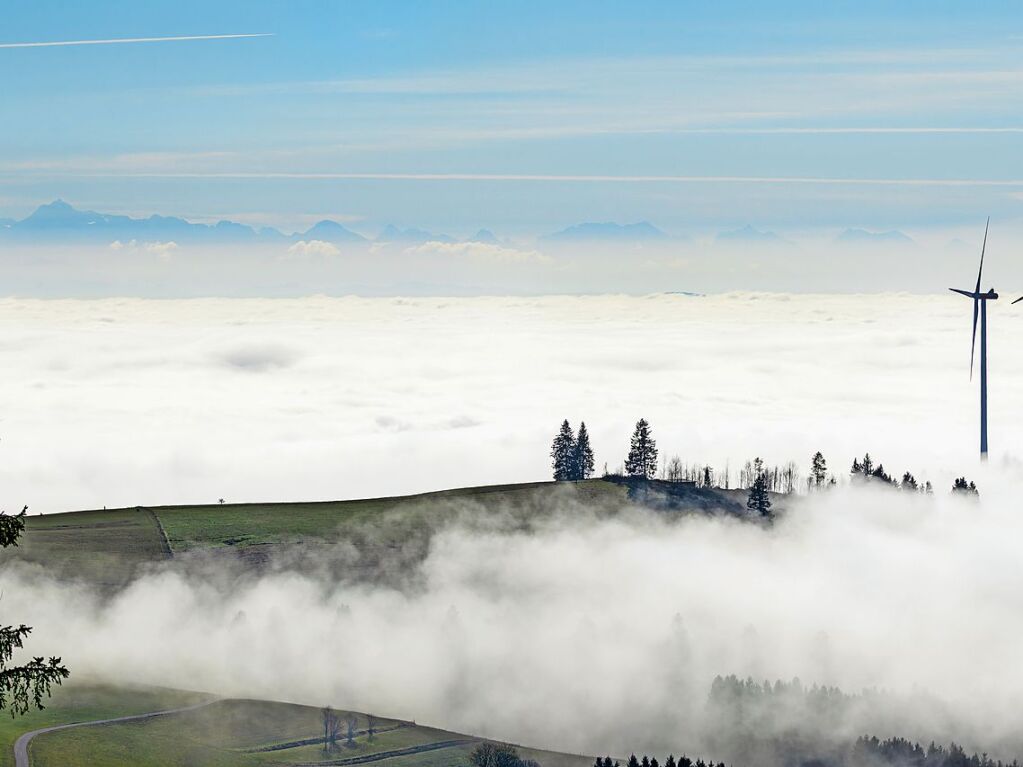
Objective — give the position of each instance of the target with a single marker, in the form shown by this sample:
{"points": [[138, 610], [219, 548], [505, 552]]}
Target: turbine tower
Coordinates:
{"points": [[980, 307]]}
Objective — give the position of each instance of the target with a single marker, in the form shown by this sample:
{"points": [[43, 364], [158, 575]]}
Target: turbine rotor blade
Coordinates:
{"points": [[982, 249], [1018, 300], [966, 293], [973, 342]]}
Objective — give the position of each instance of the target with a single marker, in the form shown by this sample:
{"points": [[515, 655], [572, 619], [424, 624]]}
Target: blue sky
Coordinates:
{"points": [[456, 115]]}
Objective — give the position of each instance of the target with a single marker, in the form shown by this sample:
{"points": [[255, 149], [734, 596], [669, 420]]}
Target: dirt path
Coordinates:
{"points": [[381, 755], [319, 739], [164, 542], [21, 744]]}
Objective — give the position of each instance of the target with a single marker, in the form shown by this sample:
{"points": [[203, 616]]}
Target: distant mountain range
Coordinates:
{"points": [[863, 236], [61, 221], [392, 233], [749, 234], [642, 230], [58, 221]]}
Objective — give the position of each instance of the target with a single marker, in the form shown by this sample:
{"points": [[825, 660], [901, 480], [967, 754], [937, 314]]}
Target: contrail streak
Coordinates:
{"points": [[121, 40], [949, 182]]}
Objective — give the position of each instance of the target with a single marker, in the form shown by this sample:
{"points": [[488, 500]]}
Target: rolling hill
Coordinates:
{"points": [[108, 547], [225, 733]]}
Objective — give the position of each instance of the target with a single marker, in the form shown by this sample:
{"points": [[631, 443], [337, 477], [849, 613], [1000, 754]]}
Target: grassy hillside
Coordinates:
{"points": [[385, 537], [107, 547], [190, 527], [249, 733], [76, 702]]}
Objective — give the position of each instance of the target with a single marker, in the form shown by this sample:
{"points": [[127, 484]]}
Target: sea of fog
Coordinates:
{"points": [[125, 401], [582, 634]]}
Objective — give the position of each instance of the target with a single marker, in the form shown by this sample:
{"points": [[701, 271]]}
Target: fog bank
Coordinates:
{"points": [[604, 635], [123, 402]]}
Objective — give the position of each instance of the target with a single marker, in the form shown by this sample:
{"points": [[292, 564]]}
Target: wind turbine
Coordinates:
{"points": [[980, 307]]}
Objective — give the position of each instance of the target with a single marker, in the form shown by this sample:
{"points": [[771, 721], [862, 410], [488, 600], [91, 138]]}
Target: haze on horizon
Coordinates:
{"points": [[796, 119]]}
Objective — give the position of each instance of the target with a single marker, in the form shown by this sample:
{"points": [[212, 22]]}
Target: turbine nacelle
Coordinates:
{"points": [[989, 296]]}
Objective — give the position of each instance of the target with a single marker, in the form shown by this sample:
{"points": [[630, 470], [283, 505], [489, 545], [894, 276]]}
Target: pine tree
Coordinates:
{"points": [[856, 468], [633, 761], [582, 454], [909, 482], [758, 499], [818, 470], [881, 474], [868, 465], [642, 460], [962, 487], [563, 453]]}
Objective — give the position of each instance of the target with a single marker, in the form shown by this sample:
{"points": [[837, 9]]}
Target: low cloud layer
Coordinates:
{"points": [[483, 251], [156, 248], [313, 248], [728, 258], [604, 635], [125, 402]]}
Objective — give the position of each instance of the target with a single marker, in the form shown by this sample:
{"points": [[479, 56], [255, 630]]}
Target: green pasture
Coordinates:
{"points": [[238, 733]]}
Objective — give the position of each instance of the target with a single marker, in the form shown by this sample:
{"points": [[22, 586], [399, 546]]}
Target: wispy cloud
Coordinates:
{"points": [[576, 178], [125, 40], [313, 248], [483, 251]]}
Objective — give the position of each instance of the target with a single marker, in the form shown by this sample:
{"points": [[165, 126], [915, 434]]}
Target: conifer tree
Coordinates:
{"points": [[868, 465], [909, 482], [818, 470], [962, 487], [881, 474], [642, 460], [758, 499], [563, 453], [582, 454]]}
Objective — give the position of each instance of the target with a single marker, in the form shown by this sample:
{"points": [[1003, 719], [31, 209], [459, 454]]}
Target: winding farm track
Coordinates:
{"points": [[381, 755], [21, 744]]}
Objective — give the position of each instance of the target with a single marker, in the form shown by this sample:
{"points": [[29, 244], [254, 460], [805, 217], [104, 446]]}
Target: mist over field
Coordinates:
{"points": [[618, 625], [123, 402]]}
